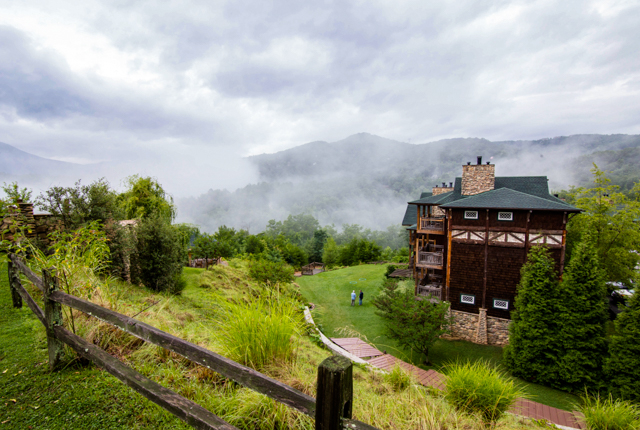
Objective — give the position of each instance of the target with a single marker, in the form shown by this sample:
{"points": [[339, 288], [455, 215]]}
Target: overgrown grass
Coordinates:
{"points": [[330, 291], [263, 331], [398, 378], [609, 414], [83, 397], [481, 389]]}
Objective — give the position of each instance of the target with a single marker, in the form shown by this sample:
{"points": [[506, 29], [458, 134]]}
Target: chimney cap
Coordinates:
{"points": [[468, 163], [488, 162], [479, 159], [450, 184]]}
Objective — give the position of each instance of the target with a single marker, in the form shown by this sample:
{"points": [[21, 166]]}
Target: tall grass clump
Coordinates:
{"points": [[260, 332], [479, 388], [398, 378], [609, 414]]}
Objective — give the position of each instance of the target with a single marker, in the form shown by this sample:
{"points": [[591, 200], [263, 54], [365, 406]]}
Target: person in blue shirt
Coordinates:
{"points": [[360, 297], [353, 298]]}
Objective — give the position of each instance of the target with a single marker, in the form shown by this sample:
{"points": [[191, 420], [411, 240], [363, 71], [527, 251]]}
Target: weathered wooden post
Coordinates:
{"points": [[53, 317], [14, 278], [334, 399]]}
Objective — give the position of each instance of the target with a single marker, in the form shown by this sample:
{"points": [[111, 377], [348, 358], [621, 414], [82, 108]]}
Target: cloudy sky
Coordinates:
{"points": [[90, 81]]}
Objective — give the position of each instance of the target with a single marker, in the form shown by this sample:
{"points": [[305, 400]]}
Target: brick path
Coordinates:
{"points": [[431, 378]]}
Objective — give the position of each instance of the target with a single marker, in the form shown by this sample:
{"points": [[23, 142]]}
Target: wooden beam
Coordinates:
{"points": [[486, 260], [188, 411], [448, 275], [31, 303], [53, 318], [14, 278], [230, 369], [30, 274], [335, 392]]}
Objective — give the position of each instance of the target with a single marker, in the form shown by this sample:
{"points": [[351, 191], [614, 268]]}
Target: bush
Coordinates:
{"points": [[609, 414], [478, 388], [159, 258], [270, 272], [259, 333]]}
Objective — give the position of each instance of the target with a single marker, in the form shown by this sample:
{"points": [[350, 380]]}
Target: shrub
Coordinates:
{"points": [[270, 272], [260, 332], [478, 388], [398, 378], [159, 258], [609, 414]]}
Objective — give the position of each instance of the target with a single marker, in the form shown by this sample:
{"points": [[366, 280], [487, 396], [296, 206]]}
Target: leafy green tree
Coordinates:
{"points": [[160, 255], [331, 253], [622, 368], [13, 193], [415, 324], [270, 272], [582, 342], [320, 237], [81, 204], [294, 255], [144, 198], [298, 229], [611, 217], [533, 341], [254, 245], [359, 250]]}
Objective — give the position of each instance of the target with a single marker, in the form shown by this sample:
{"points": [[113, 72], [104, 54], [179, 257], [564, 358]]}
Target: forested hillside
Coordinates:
{"points": [[367, 180]]}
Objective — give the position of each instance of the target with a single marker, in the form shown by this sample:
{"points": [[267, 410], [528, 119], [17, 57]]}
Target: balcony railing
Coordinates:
{"points": [[432, 225], [430, 259], [433, 290]]}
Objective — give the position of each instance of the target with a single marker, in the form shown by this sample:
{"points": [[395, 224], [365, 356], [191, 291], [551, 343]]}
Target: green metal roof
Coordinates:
{"points": [[411, 214], [510, 192], [506, 198]]}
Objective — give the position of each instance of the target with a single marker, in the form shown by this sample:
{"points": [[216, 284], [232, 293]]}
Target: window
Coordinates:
{"points": [[468, 299], [470, 214], [501, 304], [505, 216]]}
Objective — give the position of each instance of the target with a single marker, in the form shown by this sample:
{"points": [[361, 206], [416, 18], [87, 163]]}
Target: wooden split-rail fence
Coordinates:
{"points": [[332, 408]]}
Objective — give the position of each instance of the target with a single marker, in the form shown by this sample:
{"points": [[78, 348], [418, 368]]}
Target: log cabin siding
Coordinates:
{"points": [[503, 275], [519, 219], [467, 273], [458, 218], [548, 220]]}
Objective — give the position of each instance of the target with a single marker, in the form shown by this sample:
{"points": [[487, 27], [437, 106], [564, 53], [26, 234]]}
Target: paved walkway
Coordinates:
{"points": [[431, 378]]}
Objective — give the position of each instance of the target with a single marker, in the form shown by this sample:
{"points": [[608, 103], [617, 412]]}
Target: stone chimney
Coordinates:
{"points": [[442, 189], [478, 178]]}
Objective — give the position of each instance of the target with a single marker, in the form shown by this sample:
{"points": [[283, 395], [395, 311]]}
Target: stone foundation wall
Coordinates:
{"points": [[485, 330]]}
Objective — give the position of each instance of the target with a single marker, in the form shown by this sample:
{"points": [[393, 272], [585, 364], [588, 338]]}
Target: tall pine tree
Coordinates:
{"points": [[532, 350], [582, 316], [622, 368]]}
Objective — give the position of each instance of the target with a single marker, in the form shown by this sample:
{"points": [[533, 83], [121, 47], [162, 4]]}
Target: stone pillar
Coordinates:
{"points": [[481, 334]]}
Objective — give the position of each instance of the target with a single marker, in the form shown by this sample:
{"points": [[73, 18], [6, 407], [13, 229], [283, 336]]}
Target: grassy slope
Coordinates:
{"points": [[330, 291], [76, 397]]}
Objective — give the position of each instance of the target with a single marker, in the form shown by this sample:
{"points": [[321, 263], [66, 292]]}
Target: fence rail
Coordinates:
{"points": [[329, 409]]}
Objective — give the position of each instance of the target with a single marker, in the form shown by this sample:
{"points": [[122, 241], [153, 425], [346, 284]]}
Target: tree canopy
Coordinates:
{"points": [[145, 197]]}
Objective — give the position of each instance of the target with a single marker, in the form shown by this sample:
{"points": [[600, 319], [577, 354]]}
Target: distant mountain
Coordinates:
{"points": [[367, 179], [14, 162]]}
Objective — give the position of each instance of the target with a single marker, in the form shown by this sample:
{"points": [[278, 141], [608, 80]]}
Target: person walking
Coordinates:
{"points": [[353, 298], [361, 296]]}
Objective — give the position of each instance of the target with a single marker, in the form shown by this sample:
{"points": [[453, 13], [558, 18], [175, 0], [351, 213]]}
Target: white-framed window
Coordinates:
{"points": [[470, 214], [505, 216], [468, 299], [501, 304]]}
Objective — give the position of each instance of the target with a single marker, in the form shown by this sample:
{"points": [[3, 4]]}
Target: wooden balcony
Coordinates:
{"points": [[430, 260], [431, 225], [432, 290]]}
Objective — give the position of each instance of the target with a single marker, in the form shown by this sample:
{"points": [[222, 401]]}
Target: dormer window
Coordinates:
{"points": [[505, 216], [470, 214]]}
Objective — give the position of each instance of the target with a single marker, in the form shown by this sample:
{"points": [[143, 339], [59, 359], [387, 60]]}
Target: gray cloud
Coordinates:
{"points": [[162, 81]]}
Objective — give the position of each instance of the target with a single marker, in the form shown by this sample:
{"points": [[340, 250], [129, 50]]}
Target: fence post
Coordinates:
{"points": [[334, 399], [53, 317], [14, 277]]}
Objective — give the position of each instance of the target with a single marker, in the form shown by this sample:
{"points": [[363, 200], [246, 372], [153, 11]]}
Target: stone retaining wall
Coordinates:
{"points": [[20, 218], [480, 329]]}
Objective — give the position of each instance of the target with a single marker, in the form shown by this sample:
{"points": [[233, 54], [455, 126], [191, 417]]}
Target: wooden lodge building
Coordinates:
{"points": [[470, 239]]}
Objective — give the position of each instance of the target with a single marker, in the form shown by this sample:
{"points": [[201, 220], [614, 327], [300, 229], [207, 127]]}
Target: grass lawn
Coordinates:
{"points": [[330, 292], [81, 397]]}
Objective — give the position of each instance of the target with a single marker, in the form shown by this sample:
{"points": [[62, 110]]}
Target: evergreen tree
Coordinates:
{"points": [[531, 353], [622, 368], [582, 319], [331, 253]]}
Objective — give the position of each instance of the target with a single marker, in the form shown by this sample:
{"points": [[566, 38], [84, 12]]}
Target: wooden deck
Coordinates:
{"points": [[431, 378]]}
